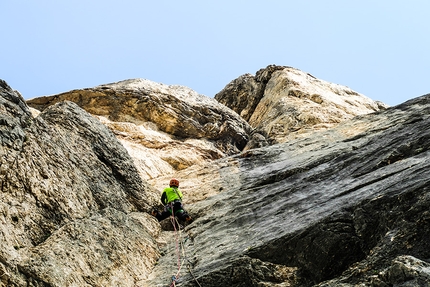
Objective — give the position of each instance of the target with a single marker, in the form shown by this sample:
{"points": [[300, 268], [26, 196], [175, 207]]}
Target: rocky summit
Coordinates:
{"points": [[283, 102], [290, 181]]}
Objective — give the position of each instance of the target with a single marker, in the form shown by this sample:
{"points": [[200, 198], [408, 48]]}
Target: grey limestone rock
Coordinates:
{"points": [[345, 203], [343, 207], [69, 198]]}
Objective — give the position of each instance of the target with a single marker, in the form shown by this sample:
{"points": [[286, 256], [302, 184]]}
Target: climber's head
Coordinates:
{"points": [[174, 182]]}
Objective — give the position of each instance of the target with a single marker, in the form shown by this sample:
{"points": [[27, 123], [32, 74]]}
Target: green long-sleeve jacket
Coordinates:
{"points": [[171, 194]]}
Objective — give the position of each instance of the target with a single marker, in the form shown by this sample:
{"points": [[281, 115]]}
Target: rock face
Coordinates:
{"points": [[166, 128], [71, 201], [344, 207], [170, 128], [283, 102], [336, 204]]}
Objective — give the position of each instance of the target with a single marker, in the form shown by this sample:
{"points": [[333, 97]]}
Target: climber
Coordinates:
{"points": [[172, 200]]}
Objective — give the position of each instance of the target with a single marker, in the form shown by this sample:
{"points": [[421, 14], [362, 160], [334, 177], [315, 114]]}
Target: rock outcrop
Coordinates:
{"points": [[341, 203], [72, 202], [165, 128], [170, 128], [282, 103], [342, 207]]}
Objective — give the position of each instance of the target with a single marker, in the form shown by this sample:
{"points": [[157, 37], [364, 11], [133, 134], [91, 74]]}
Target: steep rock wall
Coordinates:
{"points": [[71, 201], [341, 207]]}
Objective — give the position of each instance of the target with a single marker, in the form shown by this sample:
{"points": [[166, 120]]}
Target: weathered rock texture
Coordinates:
{"points": [[71, 201], [170, 128], [283, 102], [165, 128], [344, 207]]}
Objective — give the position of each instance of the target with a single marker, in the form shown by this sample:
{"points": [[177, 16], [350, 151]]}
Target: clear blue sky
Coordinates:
{"points": [[377, 48]]}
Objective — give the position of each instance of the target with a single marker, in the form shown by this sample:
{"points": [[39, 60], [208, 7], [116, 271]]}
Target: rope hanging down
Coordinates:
{"points": [[174, 222], [179, 244]]}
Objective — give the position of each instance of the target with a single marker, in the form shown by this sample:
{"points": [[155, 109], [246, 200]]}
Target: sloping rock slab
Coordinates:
{"points": [[343, 203]]}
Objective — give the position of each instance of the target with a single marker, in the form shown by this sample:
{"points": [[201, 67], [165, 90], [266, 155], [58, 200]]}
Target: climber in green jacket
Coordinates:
{"points": [[172, 201]]}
